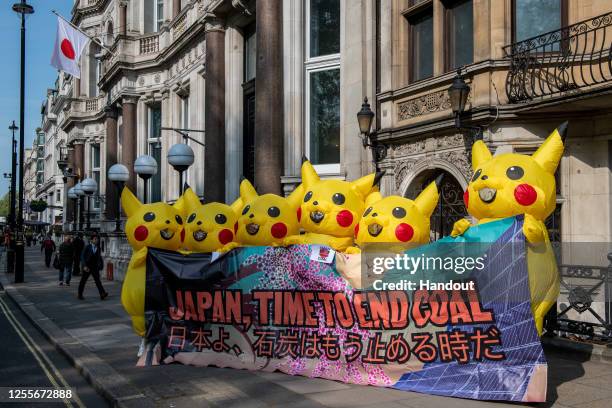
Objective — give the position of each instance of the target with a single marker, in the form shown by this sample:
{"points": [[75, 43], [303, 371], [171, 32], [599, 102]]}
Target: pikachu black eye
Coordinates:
{"points": [[273, 212], [338, 199], [515, 172], [398, 212], [246, 209], [191, 218], [148, 217], [369, 210], [220, 219], [308, 196], [477, 174], [179, 220]]}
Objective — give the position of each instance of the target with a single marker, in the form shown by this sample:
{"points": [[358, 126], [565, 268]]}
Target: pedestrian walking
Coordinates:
{"points": [[49, 247], [66, 259], [93, 263], [78, 245]]}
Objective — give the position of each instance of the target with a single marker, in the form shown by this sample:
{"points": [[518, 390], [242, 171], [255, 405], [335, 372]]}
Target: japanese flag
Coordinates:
{"points": [[69, 45]]}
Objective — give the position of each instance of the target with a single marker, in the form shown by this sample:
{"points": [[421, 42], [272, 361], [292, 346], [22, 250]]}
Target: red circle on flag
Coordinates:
{"points": [[67, 50]]}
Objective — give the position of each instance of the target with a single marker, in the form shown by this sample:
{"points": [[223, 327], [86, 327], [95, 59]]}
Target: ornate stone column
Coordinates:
{"points": [[128, 154], [111, 158], [214, 113], [269, 97], [123, 17], [77, 88], [176, 7], [79, 159]]}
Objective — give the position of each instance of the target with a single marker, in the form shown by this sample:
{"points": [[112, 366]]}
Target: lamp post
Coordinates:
{"points": [[458, 94], [180, 156], [89, 187], [78, 190], [365, 117], [12, 211], [10, 251], [146, 167], [118, 174], [73, 196], [22, 8]]}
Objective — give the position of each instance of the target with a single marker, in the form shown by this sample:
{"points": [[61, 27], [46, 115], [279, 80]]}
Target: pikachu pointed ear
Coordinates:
{"points": [[372, 198], [295, 198], [427, 200], [366, 184], [247, 191], [549, 154], [129, 202], [309, 174], [480, 154], [237, 206], [188, 202]]}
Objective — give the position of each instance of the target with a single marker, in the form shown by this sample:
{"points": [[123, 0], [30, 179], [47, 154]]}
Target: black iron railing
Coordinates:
{"points": [[562, 61], [585, 307]]}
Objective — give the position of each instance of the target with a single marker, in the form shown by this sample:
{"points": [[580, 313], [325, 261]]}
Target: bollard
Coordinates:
{"points": [[109, 271]]}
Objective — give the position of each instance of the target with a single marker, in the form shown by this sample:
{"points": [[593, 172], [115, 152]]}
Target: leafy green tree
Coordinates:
{"points": [[5, 205]]}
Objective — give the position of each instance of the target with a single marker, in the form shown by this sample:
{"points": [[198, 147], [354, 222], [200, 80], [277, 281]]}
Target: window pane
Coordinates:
{"points": [[96, 197], [325, 117], [535, 17], [95, 156], [422, 43], [155, 183], [155, 124], [462, 37], [159, 14], [324, 27]]}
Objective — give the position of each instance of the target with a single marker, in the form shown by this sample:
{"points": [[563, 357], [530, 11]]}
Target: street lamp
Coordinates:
{"points": [[12, 210], [89, 187], [74, 197], [180, 156], [146, 167], [365, 117], [458, 94], [118, 174], [22, 8], [78, 190]]}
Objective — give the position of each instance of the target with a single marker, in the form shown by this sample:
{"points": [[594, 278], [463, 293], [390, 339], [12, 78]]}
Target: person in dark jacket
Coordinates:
{"points": [[66, 258], [92, 262], [78, 245], [49, 247]]}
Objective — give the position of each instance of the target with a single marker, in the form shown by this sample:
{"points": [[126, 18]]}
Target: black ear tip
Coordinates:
{"points": [[186, 186], [242, 178], [438, 180], [304, 158], [562, 129], [379, 175]]}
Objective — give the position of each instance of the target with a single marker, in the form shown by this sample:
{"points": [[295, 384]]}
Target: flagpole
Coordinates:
{"points": [[84, 33]]}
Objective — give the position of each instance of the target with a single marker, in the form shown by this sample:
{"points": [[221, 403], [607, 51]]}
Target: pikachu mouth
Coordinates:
{"points": [[200, 235], [252, 228], [166, 234], [487, 195], [316, 216], [375, 229]]}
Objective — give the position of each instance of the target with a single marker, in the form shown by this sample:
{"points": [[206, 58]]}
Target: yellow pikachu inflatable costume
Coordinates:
{"points": [[512, 184], [331, 209], [210, 227], [156, 225], [266, 219], [397, 219]]}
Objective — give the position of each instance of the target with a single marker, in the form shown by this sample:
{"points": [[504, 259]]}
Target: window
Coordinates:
{"points": [[534, 17], [323, 85], [421, 44], [153, 15], [154, 150], [159, 14], [94, 69], [459, 34], [95, 172], [58, 196], [110, 35], [324, 38], [250, 54]]}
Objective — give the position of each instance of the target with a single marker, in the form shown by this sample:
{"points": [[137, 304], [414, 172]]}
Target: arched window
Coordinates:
{"points": [[94, 69], [110, 36]]}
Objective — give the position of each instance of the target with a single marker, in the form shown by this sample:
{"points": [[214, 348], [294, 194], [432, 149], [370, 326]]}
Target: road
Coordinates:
{"points": [[27, 359]]}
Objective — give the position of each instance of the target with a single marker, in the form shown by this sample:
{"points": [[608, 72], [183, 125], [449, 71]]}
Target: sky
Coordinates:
{"points": [[40, 38]]}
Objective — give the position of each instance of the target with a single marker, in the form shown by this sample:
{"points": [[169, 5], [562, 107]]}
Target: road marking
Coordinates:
{"points": [[38, 354]]}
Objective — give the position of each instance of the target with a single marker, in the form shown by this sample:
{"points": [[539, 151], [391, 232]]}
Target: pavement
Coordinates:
{"points": [[96, 337]]}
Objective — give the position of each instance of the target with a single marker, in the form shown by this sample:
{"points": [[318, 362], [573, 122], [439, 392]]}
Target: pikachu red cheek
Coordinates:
{"points": [[404, 232], [141, 233], [344, 218], [279, 230], [525, 194], [226, 236]]}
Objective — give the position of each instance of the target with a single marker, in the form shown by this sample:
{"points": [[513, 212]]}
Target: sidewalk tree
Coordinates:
{"points": [[5, 205]]}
